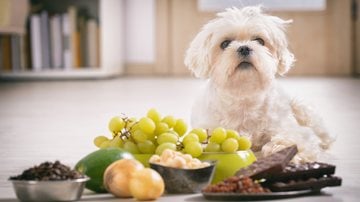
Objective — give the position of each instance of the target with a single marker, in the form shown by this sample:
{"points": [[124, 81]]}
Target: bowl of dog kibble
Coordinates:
{"points": [[49, 182], [181, 172]]}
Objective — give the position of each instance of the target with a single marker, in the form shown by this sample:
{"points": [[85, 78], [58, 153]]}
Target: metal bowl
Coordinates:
{"points": [[63, 190], [185, 180]]}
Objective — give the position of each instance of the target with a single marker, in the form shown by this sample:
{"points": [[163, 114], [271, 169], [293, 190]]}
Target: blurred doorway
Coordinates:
{"points": [[322, 40]]}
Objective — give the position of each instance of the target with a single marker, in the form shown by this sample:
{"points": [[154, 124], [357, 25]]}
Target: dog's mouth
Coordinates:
{"points": [[245, 65]]}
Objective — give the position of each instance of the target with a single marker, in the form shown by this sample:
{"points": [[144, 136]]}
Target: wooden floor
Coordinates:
{"points": [[42, 121]]}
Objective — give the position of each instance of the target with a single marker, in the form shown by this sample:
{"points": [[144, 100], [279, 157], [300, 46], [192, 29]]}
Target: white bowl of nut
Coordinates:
{"points": [[181, 172]]}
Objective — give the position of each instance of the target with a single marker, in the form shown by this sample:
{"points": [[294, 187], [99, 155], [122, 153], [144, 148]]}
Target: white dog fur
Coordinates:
{"points": [[242, 92]]}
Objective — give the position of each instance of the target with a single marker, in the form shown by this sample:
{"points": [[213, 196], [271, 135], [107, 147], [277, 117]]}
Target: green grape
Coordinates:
{"points": [[100, 139], [232, 134], [212, 147], [131, 147], [169, 120], [230, 145], [167, 137], [130, 123], [173, 132], [147, 125], [161, 128], [116, 124], [218, 135], [139, 136], [164, 146], [180, 127], [244, 143], [134, 127], [194, 149], [105, 144], [191, 137], [146, 147], [116, 142], [152, 137], [154, 115], [201, 133]]}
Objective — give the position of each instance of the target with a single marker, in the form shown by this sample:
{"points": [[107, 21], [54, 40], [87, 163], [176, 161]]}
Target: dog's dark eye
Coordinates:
{"points": [[225, 44], [260, 41]]}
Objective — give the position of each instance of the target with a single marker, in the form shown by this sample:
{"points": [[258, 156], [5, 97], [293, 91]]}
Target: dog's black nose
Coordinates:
{"points": [[244, 50]]}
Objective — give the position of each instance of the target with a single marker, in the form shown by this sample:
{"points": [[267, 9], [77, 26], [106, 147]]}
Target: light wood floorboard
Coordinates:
{"points": [[57, 120]]}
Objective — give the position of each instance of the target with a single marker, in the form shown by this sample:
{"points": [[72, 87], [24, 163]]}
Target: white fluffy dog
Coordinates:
{"points": [[240, 53]]}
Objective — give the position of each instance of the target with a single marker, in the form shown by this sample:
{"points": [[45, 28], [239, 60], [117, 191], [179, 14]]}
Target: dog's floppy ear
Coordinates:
{"points": [[286, 58], [197, 57], [286, 61]]}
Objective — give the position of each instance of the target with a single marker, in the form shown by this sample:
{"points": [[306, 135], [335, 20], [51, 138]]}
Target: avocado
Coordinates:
{"points": [[94, 165]]}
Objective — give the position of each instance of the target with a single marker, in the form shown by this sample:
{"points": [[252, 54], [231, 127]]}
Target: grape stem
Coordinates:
{"points": [[179, 146], [125, 133]]}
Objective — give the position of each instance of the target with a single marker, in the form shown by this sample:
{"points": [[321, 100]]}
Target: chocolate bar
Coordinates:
{"points": [[311, 183], [266, 167], [302, 171]]}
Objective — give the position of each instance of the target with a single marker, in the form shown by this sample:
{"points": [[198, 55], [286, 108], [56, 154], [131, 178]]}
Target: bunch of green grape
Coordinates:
{"points": [[220, 139], [152, 134]]}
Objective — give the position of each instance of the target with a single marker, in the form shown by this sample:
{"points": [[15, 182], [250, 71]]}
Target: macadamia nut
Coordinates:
{"points": [[176, 159]]}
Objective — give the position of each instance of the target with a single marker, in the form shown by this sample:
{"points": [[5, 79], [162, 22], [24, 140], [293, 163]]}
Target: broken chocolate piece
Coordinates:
{"points": [[267, 166], [302, 171], [311, 183]]}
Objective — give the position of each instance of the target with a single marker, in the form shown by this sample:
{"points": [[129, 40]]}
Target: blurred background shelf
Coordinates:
{"points": [[88, 34]]}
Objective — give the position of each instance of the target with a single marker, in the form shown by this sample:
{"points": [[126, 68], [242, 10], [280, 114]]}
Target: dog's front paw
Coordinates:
{"points": [[326, 144], [326, 141]]}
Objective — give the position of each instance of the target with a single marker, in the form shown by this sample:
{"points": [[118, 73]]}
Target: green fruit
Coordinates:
{"points": [[227, 164], [244, 143], [94, 164], [116, 124], [218, 135], [230, 145], [180, 127]]}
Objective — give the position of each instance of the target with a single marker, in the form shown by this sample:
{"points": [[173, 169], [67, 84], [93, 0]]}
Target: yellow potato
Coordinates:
{"points": [[118, 174], [146, 184]]}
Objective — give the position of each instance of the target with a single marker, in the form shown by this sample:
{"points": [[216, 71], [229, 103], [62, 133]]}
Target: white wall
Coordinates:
{"points": [[293, 5], [139, 31], [112, 51]]}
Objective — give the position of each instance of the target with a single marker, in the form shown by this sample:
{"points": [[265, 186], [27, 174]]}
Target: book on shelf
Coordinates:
{"points": [[56, 41], [83, 41], [66, 52], [5, 53], [45, 44], [24, 60], [93, 43], [36, 43], [72, 17], [12, 53], [15, 53]]}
